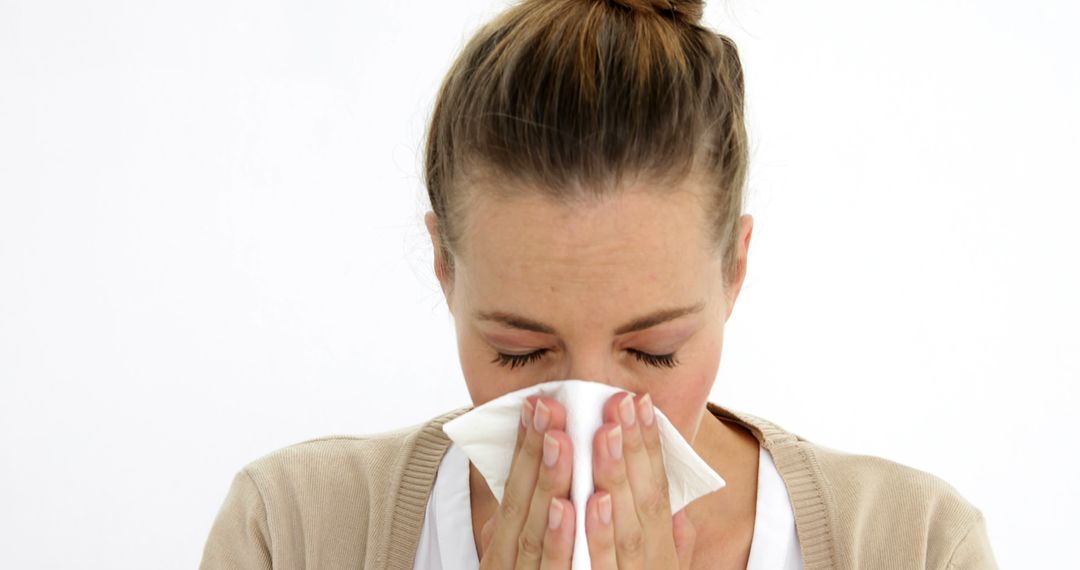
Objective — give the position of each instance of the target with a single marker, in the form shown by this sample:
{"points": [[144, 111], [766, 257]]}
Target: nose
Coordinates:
{"points": [[599, 367]]}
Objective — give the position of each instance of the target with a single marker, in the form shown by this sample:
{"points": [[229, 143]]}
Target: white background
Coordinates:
{"points": [[211, 246]]}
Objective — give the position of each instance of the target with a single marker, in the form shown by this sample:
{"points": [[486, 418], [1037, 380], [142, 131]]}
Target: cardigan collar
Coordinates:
{"points": [[811, 500], [792, 455]]}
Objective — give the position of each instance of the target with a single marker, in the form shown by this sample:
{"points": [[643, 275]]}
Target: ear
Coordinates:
{"points": [[441, 273], [746, 229]]}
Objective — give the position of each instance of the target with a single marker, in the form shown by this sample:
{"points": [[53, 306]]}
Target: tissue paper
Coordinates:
{"points": [[487, 435]]}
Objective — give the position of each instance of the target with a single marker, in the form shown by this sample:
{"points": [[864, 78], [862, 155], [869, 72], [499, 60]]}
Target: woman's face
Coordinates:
{"points": [[590, 292]]}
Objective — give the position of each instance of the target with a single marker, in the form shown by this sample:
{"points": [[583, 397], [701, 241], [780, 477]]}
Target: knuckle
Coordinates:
{"points": [[512, 508], [664, 489], [633, 444], [529, 548], [617, 478], [631, 542], [655, 504]]}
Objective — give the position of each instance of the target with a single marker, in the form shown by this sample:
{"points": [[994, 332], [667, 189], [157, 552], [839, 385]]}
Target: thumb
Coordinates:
{"points": [[684, 534]]}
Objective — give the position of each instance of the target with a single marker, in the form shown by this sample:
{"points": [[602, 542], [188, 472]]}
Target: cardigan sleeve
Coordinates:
{"points": [[240, 536], [973, 552]]}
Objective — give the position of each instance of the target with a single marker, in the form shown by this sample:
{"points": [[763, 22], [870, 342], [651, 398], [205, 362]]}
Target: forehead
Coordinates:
{"points": [[634, 236]]}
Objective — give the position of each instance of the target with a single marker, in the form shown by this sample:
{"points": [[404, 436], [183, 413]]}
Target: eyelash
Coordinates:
{"points": [[515, 360]]}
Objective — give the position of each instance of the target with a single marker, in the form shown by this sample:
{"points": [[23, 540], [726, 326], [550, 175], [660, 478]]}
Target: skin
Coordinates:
{"points": [[585, 270]]}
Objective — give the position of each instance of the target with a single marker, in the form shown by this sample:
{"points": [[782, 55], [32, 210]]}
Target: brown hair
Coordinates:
{"points": [[568, 97]]}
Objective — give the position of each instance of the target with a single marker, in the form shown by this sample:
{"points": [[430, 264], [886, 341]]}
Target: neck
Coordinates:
{"points": [[732, 451]]}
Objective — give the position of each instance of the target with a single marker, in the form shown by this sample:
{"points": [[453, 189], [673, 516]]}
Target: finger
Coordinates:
{"points": [[487, 532], [648, 489], [600, 532], [523, 425], [499, 553], [685, 535], [559, 536], [553, 482], [609, 474], [517, 493], [650, 432]]}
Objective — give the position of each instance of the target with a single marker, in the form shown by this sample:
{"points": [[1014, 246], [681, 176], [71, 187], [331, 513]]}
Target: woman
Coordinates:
{"points": [[585, 165]]}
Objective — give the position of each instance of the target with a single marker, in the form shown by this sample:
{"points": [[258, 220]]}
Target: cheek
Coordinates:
{"points": [[683, 400], [682, 404]]}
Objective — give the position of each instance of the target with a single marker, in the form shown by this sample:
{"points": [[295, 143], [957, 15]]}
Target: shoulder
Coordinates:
{"points": [[858, 481], [869, 511], [882, 504], [334, 494], [343, 465]]}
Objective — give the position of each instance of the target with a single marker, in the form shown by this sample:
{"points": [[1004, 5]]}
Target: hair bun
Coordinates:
{"points": [[689, 11]]}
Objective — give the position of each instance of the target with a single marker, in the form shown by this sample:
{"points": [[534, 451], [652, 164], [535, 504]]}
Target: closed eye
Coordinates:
{"points": [[657, 360], [515, 360]]}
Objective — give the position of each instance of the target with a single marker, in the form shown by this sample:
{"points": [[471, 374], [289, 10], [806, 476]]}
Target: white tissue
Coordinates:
{"points": [[487, 435]]}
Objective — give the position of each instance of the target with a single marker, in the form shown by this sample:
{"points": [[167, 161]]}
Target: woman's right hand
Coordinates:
{"points": [[533, 528]]}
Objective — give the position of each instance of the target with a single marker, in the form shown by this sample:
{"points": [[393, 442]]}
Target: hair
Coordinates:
{"points": [[570, 98]]}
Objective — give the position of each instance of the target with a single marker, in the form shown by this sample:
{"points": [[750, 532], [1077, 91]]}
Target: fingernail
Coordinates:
{"points": [[526, 414], [647, 410], [605, 509], [542, 416], [551, 450], [626, 410], [555, 514], [614, 442]]}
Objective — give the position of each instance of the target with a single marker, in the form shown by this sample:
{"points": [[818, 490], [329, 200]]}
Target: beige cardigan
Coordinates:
{"points": [[359, 502]]}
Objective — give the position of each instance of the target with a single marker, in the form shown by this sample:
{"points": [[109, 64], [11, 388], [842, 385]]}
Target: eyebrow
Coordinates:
{"points": [[640, 323]]}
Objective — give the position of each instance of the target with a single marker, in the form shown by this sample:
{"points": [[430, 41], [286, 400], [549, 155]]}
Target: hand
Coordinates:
{"points": [[534, 524], [628, 520]]}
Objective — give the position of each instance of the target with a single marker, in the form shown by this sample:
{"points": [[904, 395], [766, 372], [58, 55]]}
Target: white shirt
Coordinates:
{"points": [[446, 539]]}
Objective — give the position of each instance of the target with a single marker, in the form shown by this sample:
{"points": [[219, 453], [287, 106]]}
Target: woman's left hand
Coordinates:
{"points": [[628, 520]]}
